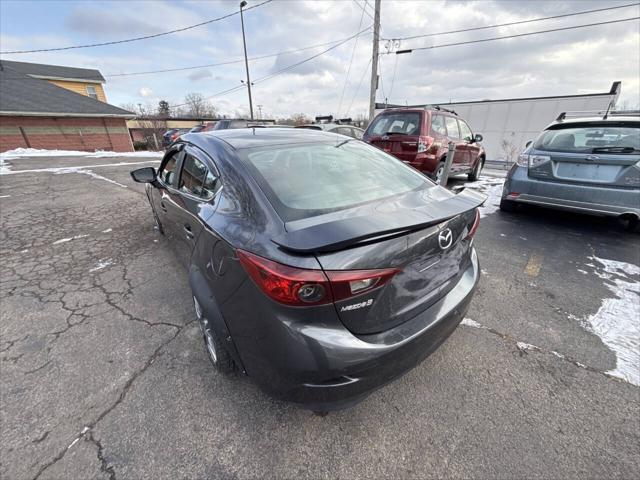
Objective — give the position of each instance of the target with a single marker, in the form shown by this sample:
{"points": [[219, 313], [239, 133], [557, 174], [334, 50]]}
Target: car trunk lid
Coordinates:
{"points": [[404, 147]]}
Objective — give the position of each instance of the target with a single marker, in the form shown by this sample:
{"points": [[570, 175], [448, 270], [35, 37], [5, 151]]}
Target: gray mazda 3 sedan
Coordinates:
{"points": [[589, 165], [320, 266]]}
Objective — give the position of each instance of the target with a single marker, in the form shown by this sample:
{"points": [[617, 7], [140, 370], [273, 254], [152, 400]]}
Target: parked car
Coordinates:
{"points": [[197, 128], [232, 123], [420, 138], [348, 130], [322, 269], [583, 164], [166, 136]]}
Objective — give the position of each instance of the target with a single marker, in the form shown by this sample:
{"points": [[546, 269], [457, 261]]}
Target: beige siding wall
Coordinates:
{"points": [[81, 88]]}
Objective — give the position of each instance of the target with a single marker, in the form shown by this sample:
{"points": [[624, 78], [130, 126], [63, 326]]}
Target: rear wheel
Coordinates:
{"points": [[437, 176], [216, 351], [508, 205], [475, 173]]}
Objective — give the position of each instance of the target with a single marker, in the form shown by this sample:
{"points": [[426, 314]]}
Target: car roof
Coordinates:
{"points": [[593, 119], [254, 137]]}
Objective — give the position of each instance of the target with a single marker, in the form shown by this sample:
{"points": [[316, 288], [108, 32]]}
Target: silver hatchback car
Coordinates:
{"points": [[589, 165]]}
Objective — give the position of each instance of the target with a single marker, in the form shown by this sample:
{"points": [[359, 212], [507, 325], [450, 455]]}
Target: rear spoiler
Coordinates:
{"points": [[340, 234]]}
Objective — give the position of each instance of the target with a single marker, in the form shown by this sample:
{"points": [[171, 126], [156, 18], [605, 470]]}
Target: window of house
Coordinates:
{"points": [[91, 91]]}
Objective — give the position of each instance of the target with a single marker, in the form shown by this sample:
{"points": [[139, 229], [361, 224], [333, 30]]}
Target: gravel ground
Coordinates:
{"points": [[103, 374]]}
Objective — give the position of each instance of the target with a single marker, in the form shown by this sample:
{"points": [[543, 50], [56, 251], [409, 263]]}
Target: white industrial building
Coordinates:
{"points": [[508, 124]]}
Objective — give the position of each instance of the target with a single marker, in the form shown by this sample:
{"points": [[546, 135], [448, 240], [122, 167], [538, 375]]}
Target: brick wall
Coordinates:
{"points": [[65, 133]]}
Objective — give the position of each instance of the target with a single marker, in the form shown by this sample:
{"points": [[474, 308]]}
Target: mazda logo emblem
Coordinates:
{"points": [[445, 238]]}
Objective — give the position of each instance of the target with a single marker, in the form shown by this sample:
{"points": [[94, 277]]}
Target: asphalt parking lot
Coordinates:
{"points": [[103, 374]]}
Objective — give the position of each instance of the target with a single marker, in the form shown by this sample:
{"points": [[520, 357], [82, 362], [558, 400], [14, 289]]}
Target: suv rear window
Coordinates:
{"points": [[306, 180], [591, 138], [407, 123]]}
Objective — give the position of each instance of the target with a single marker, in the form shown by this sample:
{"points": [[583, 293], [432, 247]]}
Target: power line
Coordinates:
{"points": [[353, 52], [366, 69], [583, 12], [155, 35], [229, 62], [283, 70], [409, 50]]}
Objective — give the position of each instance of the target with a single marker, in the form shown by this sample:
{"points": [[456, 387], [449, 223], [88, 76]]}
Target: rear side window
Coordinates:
{"points": [[403, 123], [196, 179], [621, 138], [437, 124], [168, 172], [452, 127], [306, 180]]}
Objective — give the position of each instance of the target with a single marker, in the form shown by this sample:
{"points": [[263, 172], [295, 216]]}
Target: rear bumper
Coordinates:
{"points": [[326, 367], [565, 196]]}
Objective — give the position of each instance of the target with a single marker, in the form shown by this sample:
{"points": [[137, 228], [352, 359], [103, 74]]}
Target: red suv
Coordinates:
{"points": [[420, 138]]}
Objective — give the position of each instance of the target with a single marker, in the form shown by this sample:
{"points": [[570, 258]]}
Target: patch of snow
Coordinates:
{"points": [[617, 321], [492, 188], [5, 196], [470, 323], [559, 355], [35, 152], [584, 272], [503, 235], [63, 171], [65, 240], [522, 238], [108, 230], [102, 264], [526, 346], [8, 171]]}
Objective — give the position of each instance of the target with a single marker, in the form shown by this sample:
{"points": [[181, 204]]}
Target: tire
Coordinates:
{"points": [[633, 225], [475, 173], [438, 173], [508, 205], [213, 344]]}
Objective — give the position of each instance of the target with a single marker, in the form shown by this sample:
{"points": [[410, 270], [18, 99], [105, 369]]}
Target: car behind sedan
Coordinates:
{"points": [[589, 165], [320, 266]]}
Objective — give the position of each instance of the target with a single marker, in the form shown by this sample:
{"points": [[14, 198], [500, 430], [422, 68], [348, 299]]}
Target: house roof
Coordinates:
{"points": [[22, 94], [54, 72]]}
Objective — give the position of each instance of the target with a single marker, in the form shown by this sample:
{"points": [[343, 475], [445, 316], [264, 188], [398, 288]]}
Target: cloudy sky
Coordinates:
{"points": [[585, 60]]}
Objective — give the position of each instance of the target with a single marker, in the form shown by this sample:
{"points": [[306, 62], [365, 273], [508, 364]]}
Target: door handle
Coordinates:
{"points": [[188, 232]]}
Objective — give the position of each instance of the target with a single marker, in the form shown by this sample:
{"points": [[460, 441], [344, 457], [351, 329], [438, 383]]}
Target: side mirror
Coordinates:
{"points": [[144, 175], [477, 138], [526, 145]]}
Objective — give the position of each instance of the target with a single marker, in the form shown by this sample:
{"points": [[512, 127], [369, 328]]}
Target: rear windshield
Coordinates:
{"points": [[622, 138], [312, 179], [403, 123]]}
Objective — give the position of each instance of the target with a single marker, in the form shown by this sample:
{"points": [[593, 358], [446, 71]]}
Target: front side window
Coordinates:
{"points": [[195, 178], [357, 133], [168, 172], [402, 123], [465, 131], [306, 180], [452, 127], [592, 138], [91, 92]]}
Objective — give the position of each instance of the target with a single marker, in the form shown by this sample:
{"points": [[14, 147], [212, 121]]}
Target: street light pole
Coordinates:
{"points": [[374, 61], [243, 4]]}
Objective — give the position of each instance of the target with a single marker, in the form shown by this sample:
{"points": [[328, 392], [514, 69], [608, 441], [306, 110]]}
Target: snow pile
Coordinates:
{"points": [[35, 152], [492, 188], [617, 321]]}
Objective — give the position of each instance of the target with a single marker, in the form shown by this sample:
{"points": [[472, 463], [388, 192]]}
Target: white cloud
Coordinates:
{"points": [[145, 92]]}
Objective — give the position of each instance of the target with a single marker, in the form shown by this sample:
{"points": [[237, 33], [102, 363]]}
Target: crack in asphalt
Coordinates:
{"points": [[118, 401], [104, 465]]}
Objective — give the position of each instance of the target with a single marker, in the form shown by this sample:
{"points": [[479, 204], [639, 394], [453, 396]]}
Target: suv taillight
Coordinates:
{"points": [[301, 287], [424, 143]]}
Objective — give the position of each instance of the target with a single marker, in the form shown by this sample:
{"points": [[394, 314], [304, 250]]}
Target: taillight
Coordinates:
{"points": [[284, 284], [300, 287], [348, 283], [474, 227], [424, 143]]}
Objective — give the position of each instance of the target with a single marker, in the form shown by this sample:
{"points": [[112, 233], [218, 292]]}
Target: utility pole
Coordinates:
{"points": [[374, 61], [243, 4]]}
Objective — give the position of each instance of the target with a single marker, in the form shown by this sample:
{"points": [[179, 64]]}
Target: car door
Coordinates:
{"points": [[453, 135], [471, 149], [167, 182], [192, 203]]}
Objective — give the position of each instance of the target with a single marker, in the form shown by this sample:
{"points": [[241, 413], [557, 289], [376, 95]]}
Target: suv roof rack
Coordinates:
{"points": [[438, 107], [589, 113], [326, 118]]}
